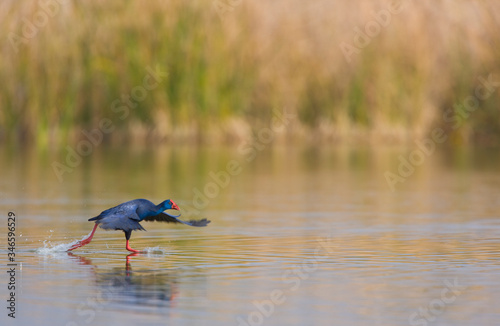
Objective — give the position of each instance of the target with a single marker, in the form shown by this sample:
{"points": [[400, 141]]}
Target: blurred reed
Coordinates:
{"points": [[227, 71]]}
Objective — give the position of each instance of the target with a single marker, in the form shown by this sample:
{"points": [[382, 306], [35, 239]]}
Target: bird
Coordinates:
{"points": [[126, 217]]}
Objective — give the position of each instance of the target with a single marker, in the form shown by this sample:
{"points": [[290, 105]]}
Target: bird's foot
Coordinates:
{"points": [[78, 245], [85, 241], [73, 247], [132, 250]]}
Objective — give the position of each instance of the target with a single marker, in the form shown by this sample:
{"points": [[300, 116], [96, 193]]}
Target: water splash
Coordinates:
{"points": [[49, 248], [158, 251]]}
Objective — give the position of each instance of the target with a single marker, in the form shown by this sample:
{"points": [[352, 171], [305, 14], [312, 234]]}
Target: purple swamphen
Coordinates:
{"points": [[126, 217]]}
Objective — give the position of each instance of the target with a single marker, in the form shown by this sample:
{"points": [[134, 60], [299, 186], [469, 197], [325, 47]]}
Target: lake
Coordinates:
{"points": [[299, 236]]}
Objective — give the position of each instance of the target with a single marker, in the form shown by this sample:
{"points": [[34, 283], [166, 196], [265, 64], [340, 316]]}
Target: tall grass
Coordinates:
{"points": [[225, 76]]}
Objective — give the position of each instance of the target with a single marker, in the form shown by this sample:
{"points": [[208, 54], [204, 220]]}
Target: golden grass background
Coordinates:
{"points": [[227, 72]]}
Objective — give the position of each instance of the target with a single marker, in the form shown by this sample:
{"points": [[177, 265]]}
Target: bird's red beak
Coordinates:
{"points": [[174, 206]]}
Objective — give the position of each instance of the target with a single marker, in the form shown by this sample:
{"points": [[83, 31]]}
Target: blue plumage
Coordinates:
{"points": [[126, 217]]}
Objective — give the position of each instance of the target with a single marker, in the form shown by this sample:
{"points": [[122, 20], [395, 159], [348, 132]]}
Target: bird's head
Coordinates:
{"points": [[169, 204]]}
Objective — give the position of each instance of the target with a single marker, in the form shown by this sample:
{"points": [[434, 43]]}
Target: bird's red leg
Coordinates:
{"points": [[130, 249], [84, 241]]}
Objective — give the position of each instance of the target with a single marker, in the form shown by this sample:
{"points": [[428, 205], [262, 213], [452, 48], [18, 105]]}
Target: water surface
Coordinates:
{"points": [[299, 236]]}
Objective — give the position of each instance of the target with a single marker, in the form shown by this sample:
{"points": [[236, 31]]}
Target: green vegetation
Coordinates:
{"points": [[225, 72]]}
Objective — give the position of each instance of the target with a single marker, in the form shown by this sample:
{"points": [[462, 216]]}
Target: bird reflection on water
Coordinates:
{"points": [[138, 287]]}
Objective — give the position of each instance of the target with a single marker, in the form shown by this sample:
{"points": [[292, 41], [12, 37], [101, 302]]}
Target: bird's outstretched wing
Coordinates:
{"points": [[164, 217]]}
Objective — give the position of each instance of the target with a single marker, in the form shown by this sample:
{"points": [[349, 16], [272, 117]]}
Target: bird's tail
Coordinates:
{"points": [[95, 218]]}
